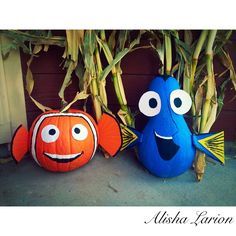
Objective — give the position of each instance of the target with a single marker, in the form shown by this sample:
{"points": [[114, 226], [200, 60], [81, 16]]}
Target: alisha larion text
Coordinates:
{"points": [[198, 218]]}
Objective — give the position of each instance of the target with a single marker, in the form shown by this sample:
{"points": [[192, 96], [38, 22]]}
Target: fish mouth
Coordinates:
{"points": [[63, 158], [166, 146]]}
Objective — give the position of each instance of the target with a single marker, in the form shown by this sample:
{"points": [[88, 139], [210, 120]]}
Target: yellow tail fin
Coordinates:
{"points": [[129, 137]]}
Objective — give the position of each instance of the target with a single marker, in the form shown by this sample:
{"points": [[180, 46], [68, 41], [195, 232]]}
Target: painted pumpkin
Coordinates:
{"points": [[66, 141], [166, 146]]}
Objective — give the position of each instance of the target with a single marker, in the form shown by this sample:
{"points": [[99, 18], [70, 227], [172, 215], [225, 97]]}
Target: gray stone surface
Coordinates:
{"points": [[119, 181]]}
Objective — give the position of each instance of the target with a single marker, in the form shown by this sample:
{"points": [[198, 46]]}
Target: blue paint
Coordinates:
{"points": [[165, 146]]}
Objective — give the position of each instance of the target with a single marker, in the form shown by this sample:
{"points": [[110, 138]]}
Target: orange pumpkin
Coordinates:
{"points": [[66, 141]]}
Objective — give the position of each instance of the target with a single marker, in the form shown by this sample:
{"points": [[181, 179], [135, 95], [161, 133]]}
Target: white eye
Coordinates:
{"points": [[79, 132], [150, 103], [180, 101], [50, 133]]}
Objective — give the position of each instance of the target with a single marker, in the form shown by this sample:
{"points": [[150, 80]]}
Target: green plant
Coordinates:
{"points": [[82, 55], [114, 50], [188, 55], [194, 68]]}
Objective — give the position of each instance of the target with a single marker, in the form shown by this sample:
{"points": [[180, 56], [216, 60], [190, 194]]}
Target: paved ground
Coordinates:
{"points": [[115, 182]]}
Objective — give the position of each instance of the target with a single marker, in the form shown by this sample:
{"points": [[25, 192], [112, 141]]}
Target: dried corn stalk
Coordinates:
{"points": [[114, 52]]}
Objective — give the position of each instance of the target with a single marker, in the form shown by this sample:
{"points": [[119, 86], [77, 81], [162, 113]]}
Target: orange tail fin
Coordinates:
{"points": [[110, 138], [19, 143]]}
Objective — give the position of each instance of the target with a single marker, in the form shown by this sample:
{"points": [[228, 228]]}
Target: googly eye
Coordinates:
{"points": [[79, 132], [50, 133], [150, 103], [180, 101]]}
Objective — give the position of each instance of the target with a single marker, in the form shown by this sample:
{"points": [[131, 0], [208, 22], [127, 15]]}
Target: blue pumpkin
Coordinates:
{"points": [[166, 146]]}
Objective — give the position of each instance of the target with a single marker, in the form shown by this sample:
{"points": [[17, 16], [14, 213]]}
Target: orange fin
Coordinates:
{"points": [[19, 143], [110, 138]]}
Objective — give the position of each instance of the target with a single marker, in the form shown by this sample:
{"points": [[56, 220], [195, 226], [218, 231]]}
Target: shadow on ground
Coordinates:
{"points": [[119, 181]]}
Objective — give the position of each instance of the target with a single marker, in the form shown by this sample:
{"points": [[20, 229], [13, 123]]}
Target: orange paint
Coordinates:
{"points": [[66, 141]]}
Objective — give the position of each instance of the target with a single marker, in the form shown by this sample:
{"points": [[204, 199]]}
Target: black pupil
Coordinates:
{"points": [[77, 130], [177, 102], [153, 103], [52, 131]]}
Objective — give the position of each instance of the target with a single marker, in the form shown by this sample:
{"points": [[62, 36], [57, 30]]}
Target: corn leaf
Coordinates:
{"points": [[30, 85], [160, 50], [75, 46], [67, 80], [108, 69], [29, 77], [106, 49], [112, 40], [80, 35], [40, 106], [184, 49], [211, 117], [89, 42], [199, 99], [186, 82], [181, 67], [103, 94], [122, 114], [122, 38], [74, 40], [88, 50], [233, 77], [118, 56], [227, 62], [188, 37], [20, 37], [69, 39], [79, 96], [174, 68], [198, 103], [79, 71], [199, 69], [222, 39], [87, 80], [7, 47], [37, 49], [220, 99], [46, 47]]}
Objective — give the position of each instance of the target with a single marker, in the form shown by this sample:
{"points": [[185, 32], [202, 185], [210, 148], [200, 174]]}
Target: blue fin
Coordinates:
{"points": [[212, 144], [130, 137]]}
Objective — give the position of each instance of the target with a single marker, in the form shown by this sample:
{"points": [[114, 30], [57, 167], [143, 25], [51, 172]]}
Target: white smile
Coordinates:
{"points": [[57, 156], [163, 137]]}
